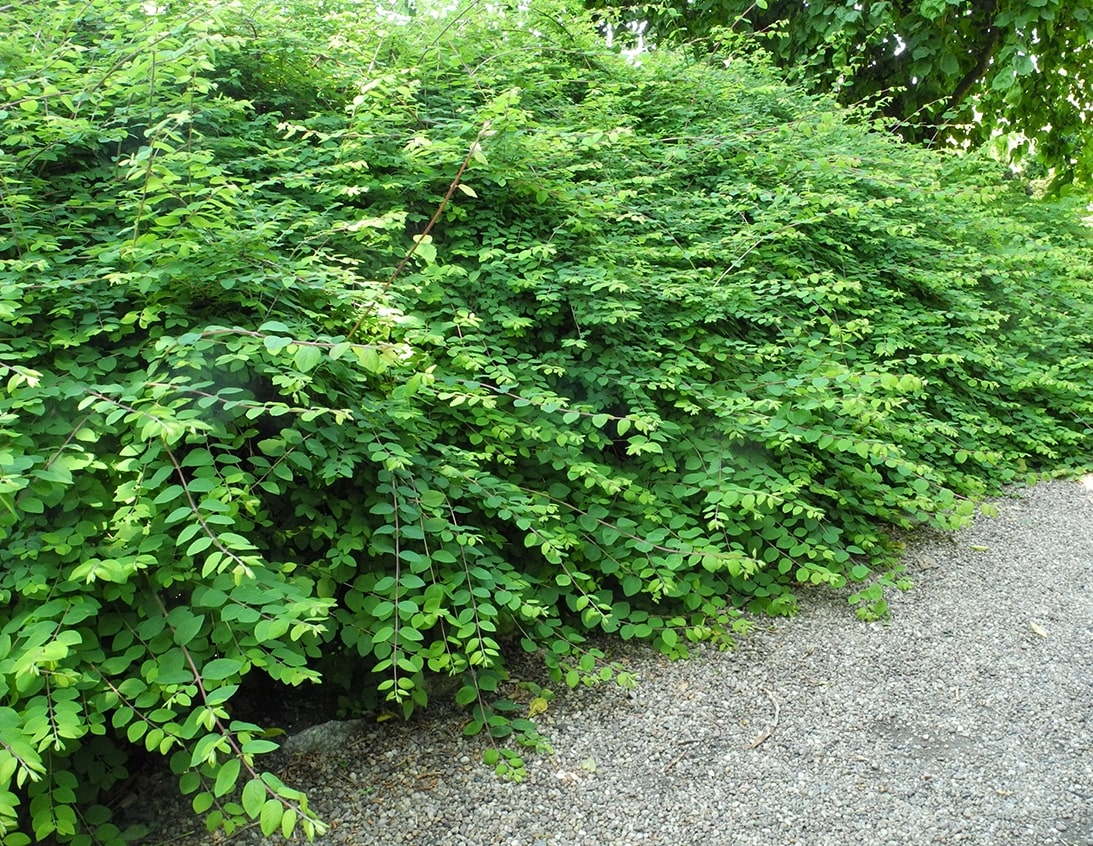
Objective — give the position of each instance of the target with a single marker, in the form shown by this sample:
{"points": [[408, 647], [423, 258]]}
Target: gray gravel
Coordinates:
{"points": [[964, 719]]}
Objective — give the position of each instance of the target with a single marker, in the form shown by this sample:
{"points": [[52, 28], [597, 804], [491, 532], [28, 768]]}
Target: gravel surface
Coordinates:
{"points": [[964, 719]]}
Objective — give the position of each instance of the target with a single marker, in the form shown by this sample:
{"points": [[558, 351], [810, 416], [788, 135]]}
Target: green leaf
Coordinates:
{"points": [[202, 802], [275, 343], [169, 493], [426, 249], [199, 545], [189, 782], [254, 797], [188, 628], [467, 694], [31, 505], [307, 357], [433, 499], [288, 823], [270, 817], [182, 512], [258, 747], [226, 777], [369, 359], [220, 668]]}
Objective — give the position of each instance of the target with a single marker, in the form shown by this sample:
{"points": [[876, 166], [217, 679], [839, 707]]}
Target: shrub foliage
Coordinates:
{"points": [[376, 349]]}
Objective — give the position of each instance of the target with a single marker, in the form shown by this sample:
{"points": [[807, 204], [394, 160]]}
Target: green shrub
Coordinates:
{"points": [[378, 350]]}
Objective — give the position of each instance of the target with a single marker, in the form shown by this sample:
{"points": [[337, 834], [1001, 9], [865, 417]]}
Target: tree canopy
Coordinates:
{"points": [[348, 348], [1016, 73]]}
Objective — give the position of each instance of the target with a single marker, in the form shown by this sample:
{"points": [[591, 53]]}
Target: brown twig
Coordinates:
{"points": [[683, 755], [764, 735], [475, 146]]}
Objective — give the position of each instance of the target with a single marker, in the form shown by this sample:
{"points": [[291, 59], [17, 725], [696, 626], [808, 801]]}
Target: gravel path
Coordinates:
{"points": [[965, 719]]}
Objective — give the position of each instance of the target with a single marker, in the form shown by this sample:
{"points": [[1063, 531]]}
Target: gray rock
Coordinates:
{"points": [[330, 738]]}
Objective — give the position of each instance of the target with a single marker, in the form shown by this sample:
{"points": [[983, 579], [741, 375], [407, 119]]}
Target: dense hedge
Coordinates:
{"points": [[418, 342]]}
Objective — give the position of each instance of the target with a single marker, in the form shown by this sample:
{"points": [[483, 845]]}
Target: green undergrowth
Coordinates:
{"points": [[370, 350]]}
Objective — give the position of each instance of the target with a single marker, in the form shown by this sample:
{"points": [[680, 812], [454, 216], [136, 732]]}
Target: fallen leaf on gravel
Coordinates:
{"points": [[1038, 629]]}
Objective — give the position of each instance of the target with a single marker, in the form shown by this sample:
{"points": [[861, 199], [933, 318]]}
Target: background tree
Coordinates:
{"points": [[1014, 72]]}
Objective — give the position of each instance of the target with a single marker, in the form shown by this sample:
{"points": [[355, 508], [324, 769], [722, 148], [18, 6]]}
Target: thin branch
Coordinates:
{"points": [[432, 222], [764, 735], [986, 53]]}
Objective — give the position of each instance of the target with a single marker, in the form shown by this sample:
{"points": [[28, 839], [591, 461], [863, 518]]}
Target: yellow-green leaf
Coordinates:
{"points": [[307, 357], [270, 818]]}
